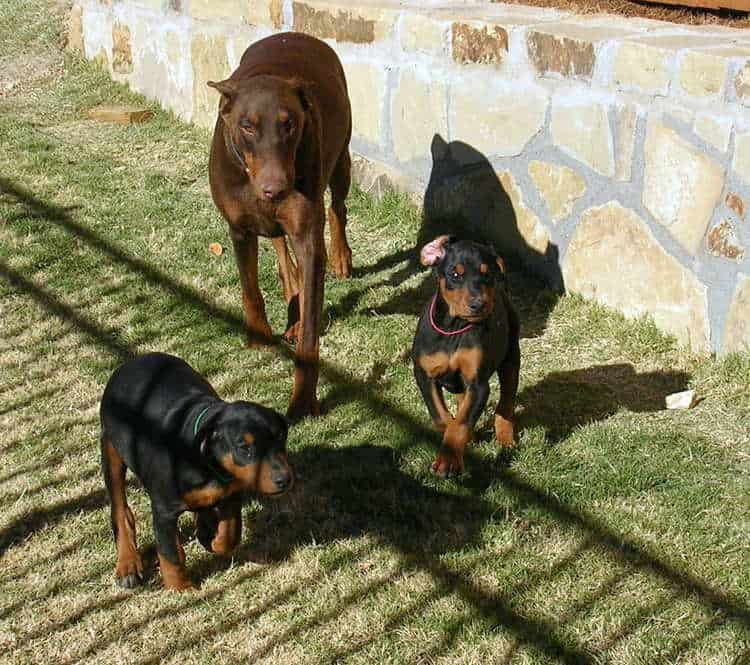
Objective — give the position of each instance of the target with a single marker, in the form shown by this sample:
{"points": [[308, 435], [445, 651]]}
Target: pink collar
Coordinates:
{"points": [[439, 330]]}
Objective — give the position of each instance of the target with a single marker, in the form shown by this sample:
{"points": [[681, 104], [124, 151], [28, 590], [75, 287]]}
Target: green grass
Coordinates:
{"points": [[618, 533]]}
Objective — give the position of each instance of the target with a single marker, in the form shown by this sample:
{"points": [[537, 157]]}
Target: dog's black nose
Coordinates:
{"points": [[476, 306], [283, 481]]}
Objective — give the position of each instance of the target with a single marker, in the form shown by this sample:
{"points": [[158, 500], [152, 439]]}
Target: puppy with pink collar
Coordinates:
{"points": [[468, 331]]}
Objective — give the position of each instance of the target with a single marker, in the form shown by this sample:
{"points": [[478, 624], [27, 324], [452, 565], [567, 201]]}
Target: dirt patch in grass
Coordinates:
{"points": [[657, 12]]}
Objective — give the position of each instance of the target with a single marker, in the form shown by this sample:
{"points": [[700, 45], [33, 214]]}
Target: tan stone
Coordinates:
{"points": [[209, 59], [722, 241], [736, 203], [742, 85], [154, 5], [531, 229], [418, 111], [343, 22], [582, 130], [559, 187], [367, 84], [422, 33], [614, 259], [479, 43], [223, 10], [736, 335], [741, 159], [122, 56], [174, 48], [74, 40], [264, 12], [377, 178], [642, 67], [507, 121], [681, 185], [702, 74], [568, 49], [714, 130], [627, 118]]}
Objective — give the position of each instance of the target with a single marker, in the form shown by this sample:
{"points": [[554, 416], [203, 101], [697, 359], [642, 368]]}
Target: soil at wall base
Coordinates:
{"points": [[674, 14]]}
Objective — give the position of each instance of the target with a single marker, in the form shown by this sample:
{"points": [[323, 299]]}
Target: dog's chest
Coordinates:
{"points": [[466, 361], [209, 494]]}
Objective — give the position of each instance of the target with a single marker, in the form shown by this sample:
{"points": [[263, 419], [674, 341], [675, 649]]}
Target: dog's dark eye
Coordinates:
{"points": [[246, 452], [456, 275], [248, 128]]}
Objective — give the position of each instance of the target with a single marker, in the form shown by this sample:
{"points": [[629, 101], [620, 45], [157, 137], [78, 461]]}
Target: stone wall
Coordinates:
{"points": [[611, 155]]}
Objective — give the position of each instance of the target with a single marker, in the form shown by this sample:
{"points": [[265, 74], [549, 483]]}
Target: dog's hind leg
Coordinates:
{"points": [[340, 254], [504, 420], [129, 569], [290, 279]]}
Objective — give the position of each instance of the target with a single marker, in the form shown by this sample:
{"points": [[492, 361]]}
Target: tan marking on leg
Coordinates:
{"points": [[288, 271], [228, 533], [129, 561], [174, 576], [504, 411], [504, 432], [340, 255], [444, 416]]}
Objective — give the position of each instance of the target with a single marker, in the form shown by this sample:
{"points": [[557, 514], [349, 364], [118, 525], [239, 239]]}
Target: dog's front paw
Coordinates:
{"points": [[341, 262], [292, 333], [504, 432], [300, 409], [129, 572], [448, 463], [260, 340], [180, 586]]}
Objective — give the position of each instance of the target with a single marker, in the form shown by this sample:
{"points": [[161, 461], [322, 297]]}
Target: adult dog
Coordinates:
{"points": [[281, 137]]}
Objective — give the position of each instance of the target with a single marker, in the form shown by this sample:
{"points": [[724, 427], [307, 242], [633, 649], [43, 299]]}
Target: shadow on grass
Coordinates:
{"points": [[29, 523], [362, 491], [563, 401]]}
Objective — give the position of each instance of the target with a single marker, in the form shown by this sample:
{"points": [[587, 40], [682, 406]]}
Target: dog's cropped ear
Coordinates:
{"points": [[304, 90], [434, 251], [228, 90]]}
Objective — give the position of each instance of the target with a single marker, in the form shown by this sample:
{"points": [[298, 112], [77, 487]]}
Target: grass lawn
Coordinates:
{"points": [[618, 533]]}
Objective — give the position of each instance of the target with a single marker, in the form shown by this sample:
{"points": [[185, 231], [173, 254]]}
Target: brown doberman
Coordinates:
{"points": [[468, 331], [281, 137]]}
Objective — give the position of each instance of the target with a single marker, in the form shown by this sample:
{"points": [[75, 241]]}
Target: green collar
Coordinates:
{"points": [[221, 474], [198, 420]]}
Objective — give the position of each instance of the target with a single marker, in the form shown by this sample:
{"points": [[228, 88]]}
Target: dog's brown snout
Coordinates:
{"points": [[273, 188]]}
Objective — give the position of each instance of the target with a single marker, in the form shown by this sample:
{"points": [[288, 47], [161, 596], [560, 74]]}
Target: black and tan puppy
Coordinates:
{"points": [[191, 451], [467, 332]]}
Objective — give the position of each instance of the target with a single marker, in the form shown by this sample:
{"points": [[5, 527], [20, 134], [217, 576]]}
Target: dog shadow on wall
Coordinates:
{"points": [[467, 198]]}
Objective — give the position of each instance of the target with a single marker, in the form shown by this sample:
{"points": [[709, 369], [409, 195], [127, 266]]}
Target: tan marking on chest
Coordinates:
{"points": [[466, 361], [207, 496]]}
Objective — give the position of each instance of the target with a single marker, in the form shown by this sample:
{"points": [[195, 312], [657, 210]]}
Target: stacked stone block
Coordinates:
{"points": [[624, 144]]}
